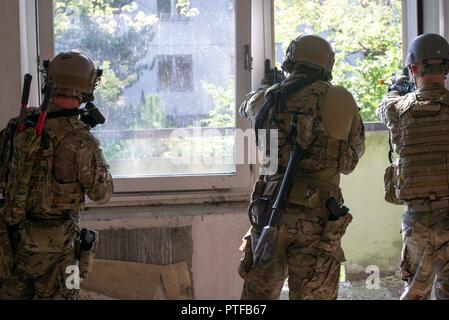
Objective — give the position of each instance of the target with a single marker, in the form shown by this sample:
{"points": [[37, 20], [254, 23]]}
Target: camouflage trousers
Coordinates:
{"points": [[308, 253], [425, 254], [44, 260]]}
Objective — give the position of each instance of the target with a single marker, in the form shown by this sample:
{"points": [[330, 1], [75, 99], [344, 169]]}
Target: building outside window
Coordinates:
{"points": [[175, 73]]}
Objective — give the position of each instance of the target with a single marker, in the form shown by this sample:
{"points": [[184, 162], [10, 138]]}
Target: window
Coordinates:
{"points": [[165, 74], [175, 73], [163, 124], [183, 65], [175, 9], [366, 52], [164, 8]]}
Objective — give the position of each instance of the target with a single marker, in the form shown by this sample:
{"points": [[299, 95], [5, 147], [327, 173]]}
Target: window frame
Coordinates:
{"points": [[244, 175]]}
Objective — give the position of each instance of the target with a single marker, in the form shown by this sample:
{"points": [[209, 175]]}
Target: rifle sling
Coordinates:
{"points": [[284, 92]]}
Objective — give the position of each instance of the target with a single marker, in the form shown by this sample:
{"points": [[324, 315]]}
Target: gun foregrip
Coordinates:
{"points": [[26, 89]]}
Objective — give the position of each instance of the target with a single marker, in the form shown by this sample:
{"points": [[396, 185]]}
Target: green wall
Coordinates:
{"points": [[373, 237]]}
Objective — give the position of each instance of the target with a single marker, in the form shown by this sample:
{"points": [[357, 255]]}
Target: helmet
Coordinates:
{"points": [[427, 46], [73, 74], [312, 51]]}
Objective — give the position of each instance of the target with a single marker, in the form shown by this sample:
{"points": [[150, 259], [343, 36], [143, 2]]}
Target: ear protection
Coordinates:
{"points": [[289, 62]]}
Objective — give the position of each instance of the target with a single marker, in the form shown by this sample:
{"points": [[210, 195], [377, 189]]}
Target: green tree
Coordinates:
{"points": [[184, 8], [152, 114], [369, 29], [223, 112], [116, 34]]}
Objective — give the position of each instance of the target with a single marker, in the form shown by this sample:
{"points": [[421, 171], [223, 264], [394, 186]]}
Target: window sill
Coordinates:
{"points": [[174, 198], [375, 126]]}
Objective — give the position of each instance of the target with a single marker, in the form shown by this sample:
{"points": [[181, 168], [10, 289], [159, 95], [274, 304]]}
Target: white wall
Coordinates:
{"points": [[10, 75], [217, 231]]}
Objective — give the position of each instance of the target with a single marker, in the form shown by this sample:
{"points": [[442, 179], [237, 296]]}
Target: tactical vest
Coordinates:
{"points": [[32, 190], [422, 169], [322, 151]]}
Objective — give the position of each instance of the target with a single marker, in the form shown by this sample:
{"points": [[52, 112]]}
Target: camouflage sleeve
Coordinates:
{"points": [[355, 147], [93, 171], [252, 105], [357, 137], [388, 114]]}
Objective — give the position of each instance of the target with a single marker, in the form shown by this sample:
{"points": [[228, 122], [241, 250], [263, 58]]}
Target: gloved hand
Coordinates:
{"points": [[401, 84]]}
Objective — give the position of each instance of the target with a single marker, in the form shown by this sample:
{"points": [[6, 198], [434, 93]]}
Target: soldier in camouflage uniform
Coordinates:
{"points": [[49, 178], [419, 128], [331, 134]]}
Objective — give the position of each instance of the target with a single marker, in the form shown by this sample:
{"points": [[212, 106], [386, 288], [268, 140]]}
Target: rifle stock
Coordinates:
{"points": [[265, 248], [264, 251]]}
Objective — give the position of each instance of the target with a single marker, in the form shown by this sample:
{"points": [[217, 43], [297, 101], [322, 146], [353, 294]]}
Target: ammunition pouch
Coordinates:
{"points": [[87, 247], [312, 193], [246, 260], [301, 194], [6, 253], [262, 199], [390, 185]]}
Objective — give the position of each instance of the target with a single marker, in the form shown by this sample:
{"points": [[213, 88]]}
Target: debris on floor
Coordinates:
{"points": [[389, 288]]}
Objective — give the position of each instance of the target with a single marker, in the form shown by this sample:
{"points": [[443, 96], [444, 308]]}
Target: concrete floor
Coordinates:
{"points": [[390, 288]]}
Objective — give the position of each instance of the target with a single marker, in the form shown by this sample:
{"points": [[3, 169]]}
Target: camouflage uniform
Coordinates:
{"points": [[308, 248], [49, 234], [418, 126]]}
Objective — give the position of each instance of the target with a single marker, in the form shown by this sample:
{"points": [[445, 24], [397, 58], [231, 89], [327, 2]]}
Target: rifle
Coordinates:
{"points": [[264, 249], [24, 101], [401, 83], [271, 75], [44, 108]]}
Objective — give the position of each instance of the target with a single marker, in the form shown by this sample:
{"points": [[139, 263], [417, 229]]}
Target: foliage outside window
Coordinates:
{"points": [[366, 35]]}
